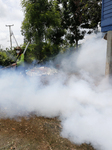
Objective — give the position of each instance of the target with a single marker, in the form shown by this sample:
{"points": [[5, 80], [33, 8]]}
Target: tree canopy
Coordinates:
{"points": [[54, 24]]}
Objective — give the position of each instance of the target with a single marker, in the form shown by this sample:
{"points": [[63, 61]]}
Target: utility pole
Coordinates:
{"points": [[108, 69], [15, 39], [10, 34]]}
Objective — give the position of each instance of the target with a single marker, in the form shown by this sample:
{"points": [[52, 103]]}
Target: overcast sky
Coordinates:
{"points": [[10, 14]]}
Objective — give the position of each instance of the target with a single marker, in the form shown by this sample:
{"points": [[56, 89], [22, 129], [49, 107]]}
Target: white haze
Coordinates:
{"points": [[80, 95]]}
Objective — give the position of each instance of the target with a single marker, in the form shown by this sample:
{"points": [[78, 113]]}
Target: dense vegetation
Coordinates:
{"points": [[54, 25]]}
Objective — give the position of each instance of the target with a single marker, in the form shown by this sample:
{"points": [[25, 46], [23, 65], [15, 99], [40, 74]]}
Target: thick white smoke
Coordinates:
{"points": [[80, 95]]}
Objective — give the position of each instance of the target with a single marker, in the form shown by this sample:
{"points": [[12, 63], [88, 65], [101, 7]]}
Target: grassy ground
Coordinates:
{"points": [[34, 133]]}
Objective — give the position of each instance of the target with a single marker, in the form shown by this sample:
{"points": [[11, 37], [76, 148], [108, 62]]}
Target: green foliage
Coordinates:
{"points": [[50, 51], [50, 26], [54, 35], [6, 58], [53, 26], [78, 15], [92, 11], [40, 17]]}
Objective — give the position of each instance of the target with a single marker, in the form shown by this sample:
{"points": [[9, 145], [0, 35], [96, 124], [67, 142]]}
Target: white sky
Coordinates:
{"points": [[10, 13]]}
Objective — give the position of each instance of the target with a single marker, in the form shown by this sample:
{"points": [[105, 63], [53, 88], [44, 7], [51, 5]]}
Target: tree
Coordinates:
{"points": [[50, 25], [7, 57], [92, 11], [40, 17], [79, 15]]}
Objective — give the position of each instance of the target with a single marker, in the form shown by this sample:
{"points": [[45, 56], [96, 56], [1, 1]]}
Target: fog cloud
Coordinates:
{"points": [[79, 94]]}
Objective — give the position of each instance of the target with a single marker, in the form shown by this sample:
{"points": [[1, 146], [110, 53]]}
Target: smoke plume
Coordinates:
{"points": [[79, 94]]}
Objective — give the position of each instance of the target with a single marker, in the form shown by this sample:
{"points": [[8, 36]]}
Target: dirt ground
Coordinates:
{"points": [[34, 133]]}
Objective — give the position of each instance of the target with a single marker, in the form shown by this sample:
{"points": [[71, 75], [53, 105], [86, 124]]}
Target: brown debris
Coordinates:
{"points": [[36, 133]]}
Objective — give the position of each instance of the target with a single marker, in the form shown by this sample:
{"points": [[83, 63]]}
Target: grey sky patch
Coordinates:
{"points": [[3, 10], [10, 13]]}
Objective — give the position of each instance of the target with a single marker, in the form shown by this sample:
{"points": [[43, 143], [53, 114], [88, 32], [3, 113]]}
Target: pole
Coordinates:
{"points": [[10, 34], [108, 69], [26, 47], [15, 39]]}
